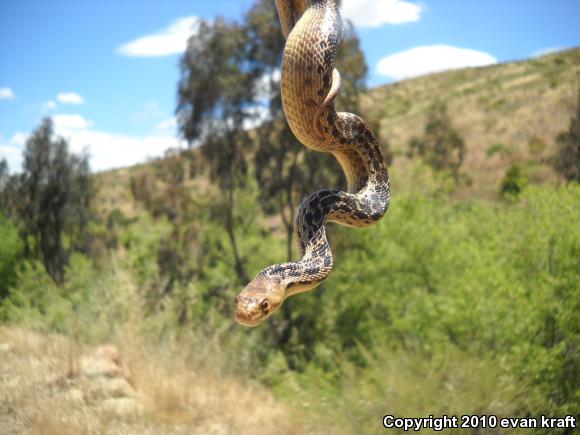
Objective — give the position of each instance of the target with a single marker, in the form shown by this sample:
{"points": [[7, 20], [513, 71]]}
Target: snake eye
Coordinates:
{"points": [[265, 305]]}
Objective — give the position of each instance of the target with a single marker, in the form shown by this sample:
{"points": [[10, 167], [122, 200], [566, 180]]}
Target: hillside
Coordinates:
{"points": [[507, 114], [516, 109]]}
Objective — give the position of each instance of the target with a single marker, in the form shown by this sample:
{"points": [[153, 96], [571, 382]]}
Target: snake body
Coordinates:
{"points": [[309, 84]]}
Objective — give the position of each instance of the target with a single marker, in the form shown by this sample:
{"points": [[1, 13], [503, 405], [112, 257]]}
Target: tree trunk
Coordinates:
{"points": [[229, 224]]}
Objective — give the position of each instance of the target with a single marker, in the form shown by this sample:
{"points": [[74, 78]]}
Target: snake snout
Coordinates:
{"points": [[256, 302]]}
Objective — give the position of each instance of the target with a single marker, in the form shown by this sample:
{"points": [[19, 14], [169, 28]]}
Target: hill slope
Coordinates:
{"points": [[515, 108], [507, 114]]}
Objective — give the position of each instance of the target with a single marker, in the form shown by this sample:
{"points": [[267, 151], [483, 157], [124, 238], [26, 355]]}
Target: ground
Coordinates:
{"points": [[51, 385]]}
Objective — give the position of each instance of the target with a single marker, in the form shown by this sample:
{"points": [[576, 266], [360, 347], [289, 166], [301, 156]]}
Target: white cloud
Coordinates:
{"points": [[167, 125], [70, 98], [13, 156], [429, 59], [115, 150], [6, 94], [19, 138], [375, 13], [107, 150], [546, 51], [71, 122], [172, 40], [50, 105]]}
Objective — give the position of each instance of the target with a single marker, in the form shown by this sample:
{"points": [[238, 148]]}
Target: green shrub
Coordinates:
{"points": [[493, 281], [513, 182], [11, 251]]}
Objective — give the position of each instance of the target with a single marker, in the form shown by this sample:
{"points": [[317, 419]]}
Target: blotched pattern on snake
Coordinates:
{"points": [[309, 84]]}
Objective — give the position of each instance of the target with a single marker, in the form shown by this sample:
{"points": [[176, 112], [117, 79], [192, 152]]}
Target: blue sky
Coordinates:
{"points": [[106, 71]]}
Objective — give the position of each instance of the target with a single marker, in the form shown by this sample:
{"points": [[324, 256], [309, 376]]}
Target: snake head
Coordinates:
{"points": [[258, 301]]}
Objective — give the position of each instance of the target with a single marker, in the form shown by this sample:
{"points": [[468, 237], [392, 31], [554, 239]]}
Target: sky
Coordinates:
{"points": [[106, 71]]}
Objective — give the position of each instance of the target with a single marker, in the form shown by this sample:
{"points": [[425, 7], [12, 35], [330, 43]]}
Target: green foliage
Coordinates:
{"points": [[442, 307], [514, 182], [536, 146], [11, 252], [567, 160], [441, 146], [396, 106], [494, 281], [51, 199], [499, 148], [35, 300]]}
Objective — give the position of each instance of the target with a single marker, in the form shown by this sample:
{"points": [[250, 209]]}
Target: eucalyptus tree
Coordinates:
{"points": [[54, 191], [214, 93], [567, 160], [441, 146]]}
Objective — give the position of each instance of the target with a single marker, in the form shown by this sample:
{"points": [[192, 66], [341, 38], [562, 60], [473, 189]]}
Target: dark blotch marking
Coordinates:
{"points": [[329, 200], [313, 270], [313, 203], [317, 215], [276, 269]]}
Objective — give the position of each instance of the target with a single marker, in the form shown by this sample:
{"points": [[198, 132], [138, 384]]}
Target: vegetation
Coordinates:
{"points": [[567, 160], [441, 146], [51, 199], [473, 303], [458, 302]]}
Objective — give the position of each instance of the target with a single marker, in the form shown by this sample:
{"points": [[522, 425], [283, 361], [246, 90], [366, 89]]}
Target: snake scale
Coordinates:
{"points": [[309, 84]]}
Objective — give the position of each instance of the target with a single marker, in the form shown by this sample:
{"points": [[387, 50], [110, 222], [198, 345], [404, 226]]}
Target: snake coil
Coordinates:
{"points": [[310, 83]]}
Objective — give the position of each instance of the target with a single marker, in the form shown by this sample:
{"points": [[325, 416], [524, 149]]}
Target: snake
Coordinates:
{"points": [[309, 85]]}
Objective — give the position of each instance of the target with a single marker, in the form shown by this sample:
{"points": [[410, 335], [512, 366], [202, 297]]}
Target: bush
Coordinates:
{"points": [[496, 282], [441, 145], [567, 160], [11, 251], [513, 182]]}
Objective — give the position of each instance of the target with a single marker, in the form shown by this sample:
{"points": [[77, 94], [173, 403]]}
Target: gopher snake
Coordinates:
{"points": [[313, 31]]}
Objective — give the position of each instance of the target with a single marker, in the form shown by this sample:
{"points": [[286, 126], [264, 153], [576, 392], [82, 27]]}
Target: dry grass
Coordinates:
{"points": [[49, 385], [508, 103]]}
